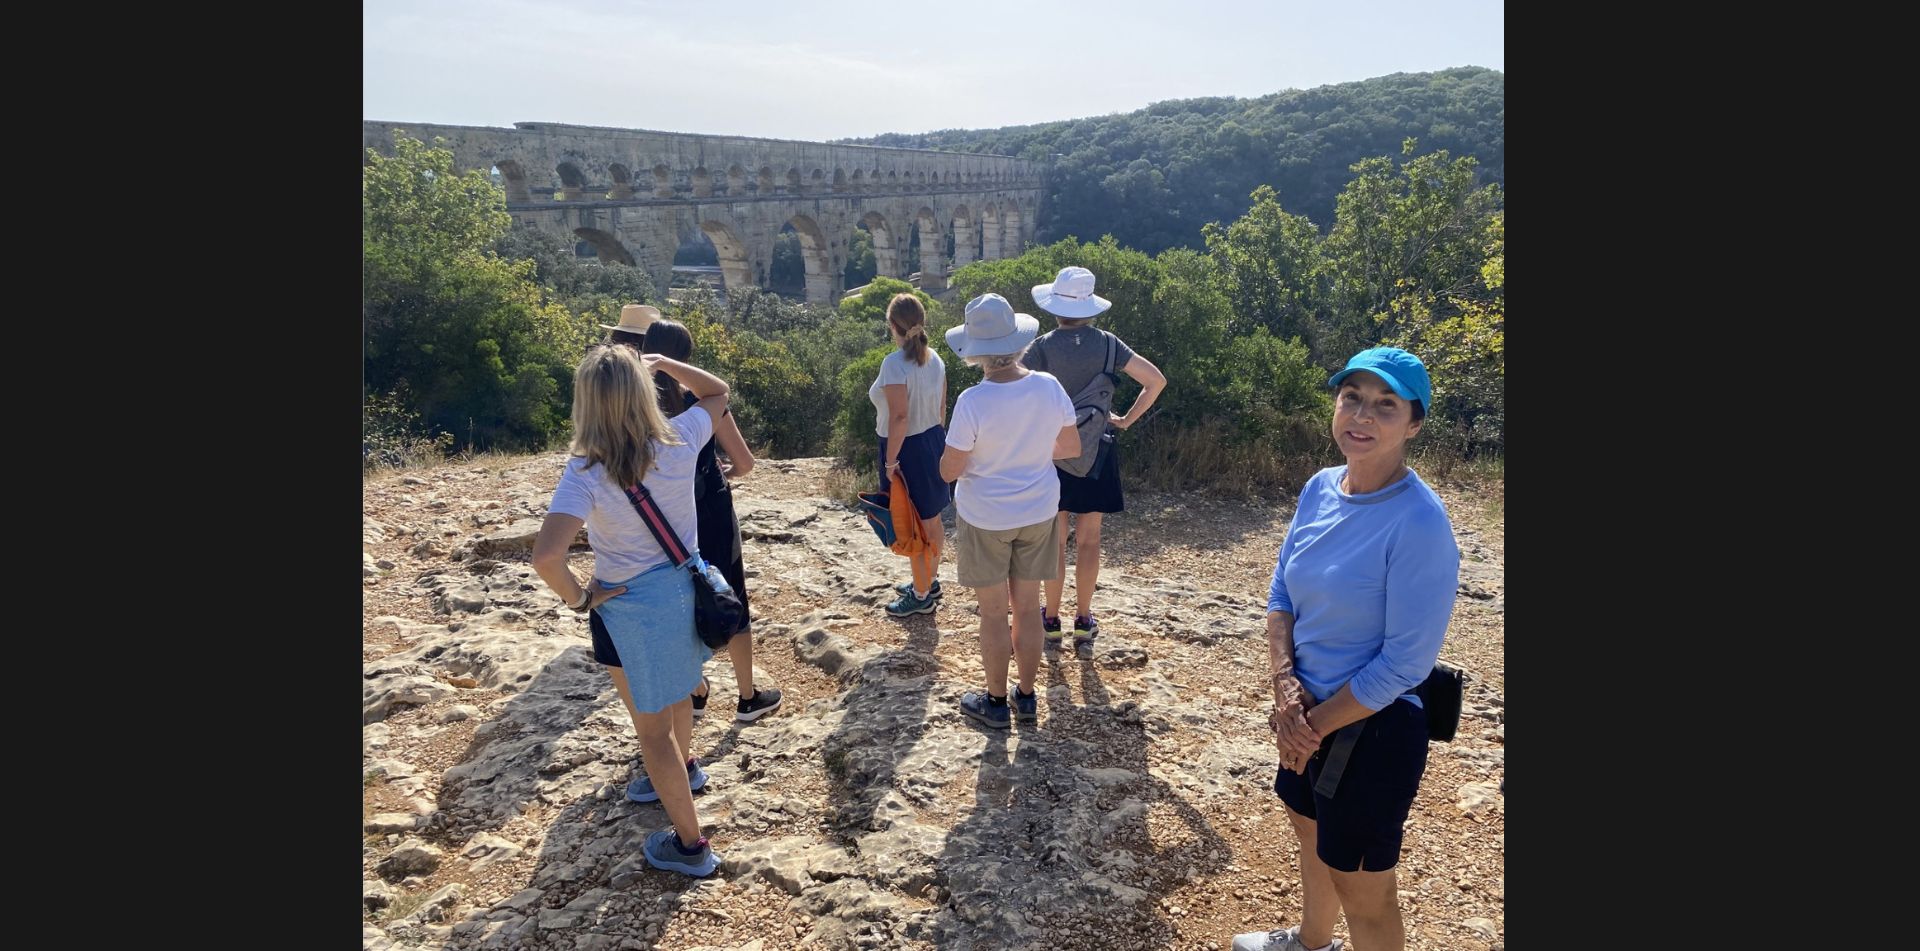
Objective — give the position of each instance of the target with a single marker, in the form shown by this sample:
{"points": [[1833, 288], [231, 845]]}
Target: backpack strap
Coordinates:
{"points": [[657, 524]]}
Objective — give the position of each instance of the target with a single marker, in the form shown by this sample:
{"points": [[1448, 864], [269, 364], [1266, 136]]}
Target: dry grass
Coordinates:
{"points": [[841, 484]]}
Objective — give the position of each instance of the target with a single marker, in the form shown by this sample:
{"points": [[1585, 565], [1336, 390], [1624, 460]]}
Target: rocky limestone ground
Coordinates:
{"points": [[867, 812]]}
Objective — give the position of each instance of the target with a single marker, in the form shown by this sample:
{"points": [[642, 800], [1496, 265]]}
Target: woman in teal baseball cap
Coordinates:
{"points": [[1362, 592]]}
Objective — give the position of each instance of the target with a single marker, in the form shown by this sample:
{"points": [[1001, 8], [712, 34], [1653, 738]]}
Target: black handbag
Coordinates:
{"points": [[1441, 694], [718, 614]]}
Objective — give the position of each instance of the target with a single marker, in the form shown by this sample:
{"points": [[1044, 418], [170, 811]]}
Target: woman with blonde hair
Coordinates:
{"points": [[910, 397], [621, 442]]}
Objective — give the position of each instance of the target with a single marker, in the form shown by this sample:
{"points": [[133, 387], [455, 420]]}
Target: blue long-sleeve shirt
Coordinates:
{"points": [[1370, 582]]}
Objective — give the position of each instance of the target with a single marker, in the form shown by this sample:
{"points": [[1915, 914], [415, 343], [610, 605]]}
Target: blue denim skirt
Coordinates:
{"points": [[652, 628]]}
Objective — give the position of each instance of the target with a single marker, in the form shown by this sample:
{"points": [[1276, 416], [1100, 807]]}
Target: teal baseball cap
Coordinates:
{"points": [[1402, 370]]}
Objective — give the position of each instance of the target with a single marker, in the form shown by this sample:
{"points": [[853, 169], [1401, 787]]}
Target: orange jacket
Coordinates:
{"points": [[909, 537]]}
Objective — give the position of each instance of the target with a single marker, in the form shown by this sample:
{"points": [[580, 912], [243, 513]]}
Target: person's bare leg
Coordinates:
{"points": [[663, 757], [936, 535], [740, 651], [1056, 586], [1026, 631], [1372, 901], [996, 644], [1086, 564], [1322, 901]]}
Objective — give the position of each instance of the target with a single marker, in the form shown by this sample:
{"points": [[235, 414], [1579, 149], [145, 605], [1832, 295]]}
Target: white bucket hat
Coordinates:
{"points": [[992, 328], [1070, 295], [635, 319]]}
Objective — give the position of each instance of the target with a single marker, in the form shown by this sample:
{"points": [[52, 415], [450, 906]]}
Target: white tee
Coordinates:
{"points": [[1010, 429], [622, 545]]}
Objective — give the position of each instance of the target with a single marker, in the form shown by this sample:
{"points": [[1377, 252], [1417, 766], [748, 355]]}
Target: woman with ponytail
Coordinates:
{"points": [[910, 397]]}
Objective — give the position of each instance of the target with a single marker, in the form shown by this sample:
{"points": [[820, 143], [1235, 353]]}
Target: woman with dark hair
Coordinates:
{"points": [[719, 530], [1362, 592]]}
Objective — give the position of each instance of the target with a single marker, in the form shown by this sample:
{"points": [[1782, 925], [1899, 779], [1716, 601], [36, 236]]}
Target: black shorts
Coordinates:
{"points": [[920, 467], [1361, 825], [1097, 491], [718, 534]]}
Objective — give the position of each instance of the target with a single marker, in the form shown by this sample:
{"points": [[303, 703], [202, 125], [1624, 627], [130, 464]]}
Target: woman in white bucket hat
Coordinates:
{"points": [[1005, 433], [1087, 362]]}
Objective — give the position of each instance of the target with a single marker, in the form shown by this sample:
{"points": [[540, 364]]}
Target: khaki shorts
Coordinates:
{"points": [[988, 557]]}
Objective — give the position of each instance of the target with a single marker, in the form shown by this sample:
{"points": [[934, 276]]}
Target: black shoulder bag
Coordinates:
{"points": [[717, 612]]}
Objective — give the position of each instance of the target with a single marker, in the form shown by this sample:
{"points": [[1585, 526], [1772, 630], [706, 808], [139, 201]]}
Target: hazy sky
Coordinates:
{"points": [[794, 70]]}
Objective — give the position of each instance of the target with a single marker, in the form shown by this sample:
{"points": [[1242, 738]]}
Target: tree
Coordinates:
{"points": [[464, 336]]}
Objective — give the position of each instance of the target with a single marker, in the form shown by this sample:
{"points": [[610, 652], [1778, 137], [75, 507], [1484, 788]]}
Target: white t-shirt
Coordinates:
{"points": [[622, 545], [926, 391], [1010, 429]]}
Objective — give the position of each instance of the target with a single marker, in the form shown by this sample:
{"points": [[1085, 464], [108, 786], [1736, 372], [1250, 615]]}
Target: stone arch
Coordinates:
{"points": [[966, 246], [572, 182], [662, 181], [840, 180], [920, 178], [933, 249], [514, 178], [859, 181], [817, 182], [893, 179], [702, 183], [622, 181], [873, 178], [736, 181], [813, 253], [990, 234], [886, 250], [764, 180], [793, 181], [608, 247], [735, 271], [1010, 243]]}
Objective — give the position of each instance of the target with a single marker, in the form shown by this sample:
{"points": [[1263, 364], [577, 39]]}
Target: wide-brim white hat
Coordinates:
{"points": [[1070, 295], [992, 328]]}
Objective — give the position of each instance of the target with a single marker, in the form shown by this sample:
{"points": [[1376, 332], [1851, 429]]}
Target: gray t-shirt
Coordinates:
{"points": [[1076, 356], [926, 391]]}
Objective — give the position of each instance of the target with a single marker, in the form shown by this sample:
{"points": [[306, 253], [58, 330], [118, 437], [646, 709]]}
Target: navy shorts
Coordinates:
{"points": [[920, 466], [1360, 826]]}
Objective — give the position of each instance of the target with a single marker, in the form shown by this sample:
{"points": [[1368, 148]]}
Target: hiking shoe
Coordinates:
{"points": [[641, 789], [1287, 940], [1050, 626], [663, 851], [1026, 706], [759, 705], [1085, 629], [700, 700], [906, 587], [974, 703], [908, 604]]}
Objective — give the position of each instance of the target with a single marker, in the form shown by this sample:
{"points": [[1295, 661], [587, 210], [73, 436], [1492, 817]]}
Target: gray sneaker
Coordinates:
{"points": [[906, 587], [908, 604], [1287, 940]]}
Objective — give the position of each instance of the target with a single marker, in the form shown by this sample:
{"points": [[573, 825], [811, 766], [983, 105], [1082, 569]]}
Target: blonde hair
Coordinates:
{"points": [[909, 320], [996, 361], [616, 414]]}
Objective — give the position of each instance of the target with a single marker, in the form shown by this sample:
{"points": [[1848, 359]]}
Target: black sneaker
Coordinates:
{"points": [[760, 704], [700, 700]]}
